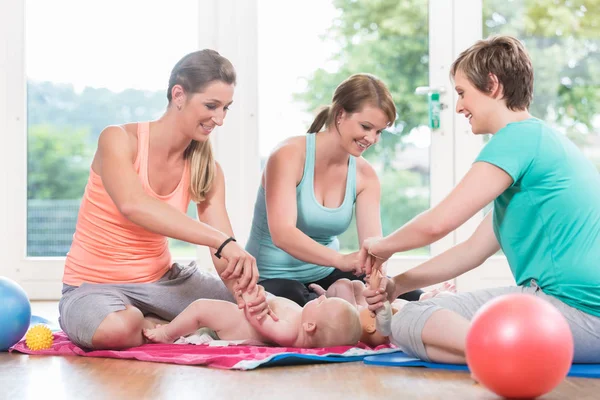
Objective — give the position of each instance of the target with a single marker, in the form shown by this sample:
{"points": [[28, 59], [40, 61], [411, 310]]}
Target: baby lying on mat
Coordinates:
{"points": [[323, 322], [374, 331]]}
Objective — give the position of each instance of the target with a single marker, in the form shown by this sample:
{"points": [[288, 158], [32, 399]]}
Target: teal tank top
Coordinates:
{"points": [[548, 220], [320, 223]]}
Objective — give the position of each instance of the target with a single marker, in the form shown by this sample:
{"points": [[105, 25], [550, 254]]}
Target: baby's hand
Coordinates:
{"points": [[376, 297], [318, 289], [257, 305]]}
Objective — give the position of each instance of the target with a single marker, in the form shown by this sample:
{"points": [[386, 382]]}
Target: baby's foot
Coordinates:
{"points": [[158, 335], [446, 289]]}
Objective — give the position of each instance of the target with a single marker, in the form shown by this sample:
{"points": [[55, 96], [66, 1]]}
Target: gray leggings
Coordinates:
{"points": [[83, 308], [408, 323]]}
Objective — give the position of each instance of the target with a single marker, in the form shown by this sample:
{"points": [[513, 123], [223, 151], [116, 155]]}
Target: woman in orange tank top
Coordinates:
{"points": [[142, 179]]}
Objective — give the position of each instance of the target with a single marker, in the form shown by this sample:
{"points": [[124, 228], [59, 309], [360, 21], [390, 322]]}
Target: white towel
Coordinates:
{"points": [[210, 337]]}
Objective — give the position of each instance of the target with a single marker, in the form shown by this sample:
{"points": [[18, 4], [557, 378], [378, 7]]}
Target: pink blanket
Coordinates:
{"points": [[226, 357]]}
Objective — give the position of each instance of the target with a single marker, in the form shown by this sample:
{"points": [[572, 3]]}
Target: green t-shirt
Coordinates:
{"points": [[548, 221]]}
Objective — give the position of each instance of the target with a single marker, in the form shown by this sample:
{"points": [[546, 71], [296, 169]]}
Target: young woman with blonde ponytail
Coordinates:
{"points": [[143, 176]]}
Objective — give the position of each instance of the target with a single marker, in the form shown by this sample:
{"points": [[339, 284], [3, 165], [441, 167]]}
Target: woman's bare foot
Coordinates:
{"points": [[446, 289], [158, 335]]}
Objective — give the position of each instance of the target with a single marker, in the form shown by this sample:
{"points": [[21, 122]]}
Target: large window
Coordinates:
{"points": [[300, 65], [563, 41], [89, 66]]}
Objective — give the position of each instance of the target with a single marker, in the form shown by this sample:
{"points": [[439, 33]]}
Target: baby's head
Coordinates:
{"points": [[331, 322]]}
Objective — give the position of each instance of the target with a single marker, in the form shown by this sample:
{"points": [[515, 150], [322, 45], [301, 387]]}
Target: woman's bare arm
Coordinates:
{"points": [[114, 164]]}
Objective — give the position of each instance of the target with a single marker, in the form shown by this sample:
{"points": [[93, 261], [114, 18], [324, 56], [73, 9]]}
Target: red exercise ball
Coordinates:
{"points": [[519, 346]]}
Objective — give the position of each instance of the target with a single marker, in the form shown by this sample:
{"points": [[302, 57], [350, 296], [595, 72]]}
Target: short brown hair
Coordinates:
{"points": [[505, 57], [352, 95]]}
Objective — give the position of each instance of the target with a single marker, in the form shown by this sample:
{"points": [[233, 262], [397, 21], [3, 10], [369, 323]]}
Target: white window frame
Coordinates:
{"points": [[495, 272], [230, 27], [454, 25]]}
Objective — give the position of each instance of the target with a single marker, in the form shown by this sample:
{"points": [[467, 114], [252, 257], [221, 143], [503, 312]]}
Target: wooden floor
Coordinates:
{"points": [[41, 377]]}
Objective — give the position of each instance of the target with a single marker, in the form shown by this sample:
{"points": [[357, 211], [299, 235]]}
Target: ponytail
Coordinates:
{"points": [[203, 168], [320, 120]]}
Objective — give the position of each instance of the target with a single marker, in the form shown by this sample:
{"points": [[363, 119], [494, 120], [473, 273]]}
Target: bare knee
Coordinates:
{"points": [[344, 289], [341, 286], [358, 287], [120, 330]]}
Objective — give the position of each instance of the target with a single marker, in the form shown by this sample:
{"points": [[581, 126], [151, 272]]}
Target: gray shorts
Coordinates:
{"points": [[83, 308], [408, 323]]}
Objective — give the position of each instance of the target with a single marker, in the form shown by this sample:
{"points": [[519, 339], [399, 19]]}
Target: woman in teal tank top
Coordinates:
{"points": [[310, 188], [546, 216]]}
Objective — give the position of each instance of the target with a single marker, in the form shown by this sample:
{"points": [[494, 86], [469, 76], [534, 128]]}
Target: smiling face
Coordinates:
{"points": [[362, 129], [479, 108], [200, 113]]}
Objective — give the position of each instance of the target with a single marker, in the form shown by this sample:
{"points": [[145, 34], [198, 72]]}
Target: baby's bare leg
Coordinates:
{"points": [[359, 288], [184, 324], [151, 320], [342, 288]]}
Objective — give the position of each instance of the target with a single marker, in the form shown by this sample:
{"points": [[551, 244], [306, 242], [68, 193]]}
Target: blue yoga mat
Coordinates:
{"points": [[305, 359], [400, 359]]}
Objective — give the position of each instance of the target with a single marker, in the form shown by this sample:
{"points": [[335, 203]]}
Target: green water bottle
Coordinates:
{"points": [[434, 110]]}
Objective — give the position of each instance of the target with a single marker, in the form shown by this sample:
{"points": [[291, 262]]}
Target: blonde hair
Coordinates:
{"points": [[194, 72], [505, 57], [340, 327], [351, 96]]}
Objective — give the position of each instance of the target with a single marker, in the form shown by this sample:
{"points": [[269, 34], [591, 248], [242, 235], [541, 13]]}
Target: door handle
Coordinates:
{"points": [[435, 105], [423, 90]]}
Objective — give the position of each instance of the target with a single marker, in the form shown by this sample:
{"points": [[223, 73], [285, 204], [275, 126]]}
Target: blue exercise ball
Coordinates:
{"points": [[15, 313]]}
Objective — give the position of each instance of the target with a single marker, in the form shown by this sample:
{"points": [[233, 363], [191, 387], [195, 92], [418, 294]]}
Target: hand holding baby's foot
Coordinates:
{"points": [[158, 335]]}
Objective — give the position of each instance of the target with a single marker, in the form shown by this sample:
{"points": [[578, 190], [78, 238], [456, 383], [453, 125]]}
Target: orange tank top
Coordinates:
{"points": [[107, 247]]}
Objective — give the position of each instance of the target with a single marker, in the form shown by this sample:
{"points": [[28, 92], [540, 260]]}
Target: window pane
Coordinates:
{"points": [[89, 66], [300, 67], [563, 41]]}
